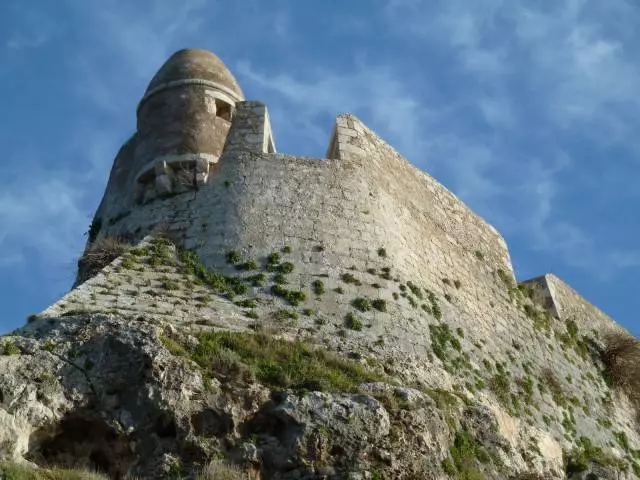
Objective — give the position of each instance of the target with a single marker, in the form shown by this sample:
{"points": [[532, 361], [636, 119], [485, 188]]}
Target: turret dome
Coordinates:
{"points": [[195, 65]]}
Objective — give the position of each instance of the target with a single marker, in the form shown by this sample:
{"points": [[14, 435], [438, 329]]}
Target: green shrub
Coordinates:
{"points": [[353, 322], [293, 297], [249, 265], [361, 304], [233, 257], [220, 283], [285, 315], [280, 279], [247, 303], [256, 280], [285, 267], [9, 348], [318, 287], [169, 284], [382, 252], [350, 278], [415, 290], [273, 258], [286, 249], [251, 314], [379, 304], [32, 318]]}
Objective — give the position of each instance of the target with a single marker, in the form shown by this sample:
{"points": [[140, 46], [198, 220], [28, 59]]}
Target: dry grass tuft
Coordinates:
{"points": [[100, 254], [621, 359], [219, 470]]}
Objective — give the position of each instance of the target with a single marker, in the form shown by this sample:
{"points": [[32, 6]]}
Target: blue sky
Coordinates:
{"points": [[526, 110]]}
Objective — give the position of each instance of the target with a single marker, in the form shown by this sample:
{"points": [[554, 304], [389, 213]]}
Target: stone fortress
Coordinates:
{"points": [[358, 228], [203, 164]]}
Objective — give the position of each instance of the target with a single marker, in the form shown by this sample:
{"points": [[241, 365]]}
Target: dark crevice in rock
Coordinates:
{"points": [[81, 440]]}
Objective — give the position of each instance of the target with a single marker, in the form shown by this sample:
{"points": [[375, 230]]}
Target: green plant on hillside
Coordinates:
{"points": [[221, 284], [362, 304], [293, 297], [350, 278], [379, 304], [13, 471], [353, 322], [382, 252], [9, 348], [233, 257], [318, 287], [277, 363]]}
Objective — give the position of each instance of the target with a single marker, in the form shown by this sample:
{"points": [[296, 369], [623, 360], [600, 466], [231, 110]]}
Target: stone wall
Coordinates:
{"points": [[564, 302]]}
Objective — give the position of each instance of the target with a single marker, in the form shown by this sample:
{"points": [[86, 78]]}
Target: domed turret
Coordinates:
{"points": [[183, 121], [195, 64]]}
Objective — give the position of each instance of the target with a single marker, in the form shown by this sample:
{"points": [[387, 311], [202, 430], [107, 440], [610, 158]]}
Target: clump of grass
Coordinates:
{"points": [[273, 258], [277, 363], [247, 303], [550, 382], [219, 470], [350, 278], [308, 312], [382, 252], [280, 279], [386, 273], [13, 471], [362, 304], [621, 359], [283, 314], [379, 304], [248, 265], [293, 297], [251, 314], [441, 340], [222, 284], [233, 257], [9, 348], [100, 254], [169, 284], [466, 453], [415, 290], [318, 248], [479, 255], [256, 280], [457, 284], [285, 267], [286, 249], [339, 290], [32, 318], [352, 322], [318, 287], [578, 459]]}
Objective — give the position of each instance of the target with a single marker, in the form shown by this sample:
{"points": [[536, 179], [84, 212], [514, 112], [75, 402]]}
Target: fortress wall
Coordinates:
{"points": [[425, 196], [563, 301], [350, 207]]}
